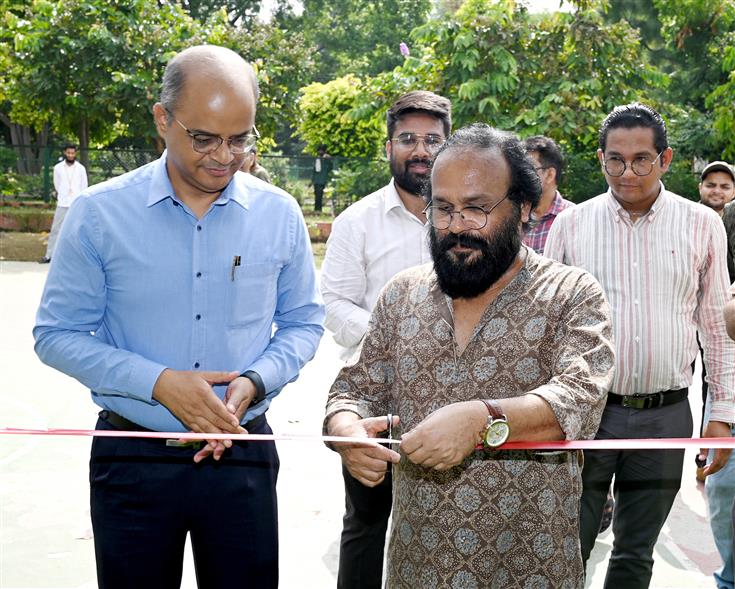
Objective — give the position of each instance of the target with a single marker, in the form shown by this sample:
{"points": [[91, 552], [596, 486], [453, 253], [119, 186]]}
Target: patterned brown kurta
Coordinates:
{"points": [[503, 518]]}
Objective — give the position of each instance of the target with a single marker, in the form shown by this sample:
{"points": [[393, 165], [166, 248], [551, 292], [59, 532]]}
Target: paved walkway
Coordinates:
{"points": [[44, 492]]}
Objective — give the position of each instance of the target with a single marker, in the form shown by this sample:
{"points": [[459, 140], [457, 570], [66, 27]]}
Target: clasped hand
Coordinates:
{"points": [[445, 437], [190, 397]]}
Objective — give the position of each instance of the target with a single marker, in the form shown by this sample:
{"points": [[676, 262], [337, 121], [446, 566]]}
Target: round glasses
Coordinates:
{"points": [[472, 217], [409, 141], [206, 143], [641, 166]]}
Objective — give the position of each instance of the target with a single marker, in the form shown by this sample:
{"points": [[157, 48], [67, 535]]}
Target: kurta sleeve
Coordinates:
{"points": [[583, 361]]}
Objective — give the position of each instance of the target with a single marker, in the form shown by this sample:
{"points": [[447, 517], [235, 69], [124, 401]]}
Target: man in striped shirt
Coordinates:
{"points": [[661, 261], [549, 164]]}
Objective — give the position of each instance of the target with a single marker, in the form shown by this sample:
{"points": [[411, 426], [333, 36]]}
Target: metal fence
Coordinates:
{"points": [[26, 171]]}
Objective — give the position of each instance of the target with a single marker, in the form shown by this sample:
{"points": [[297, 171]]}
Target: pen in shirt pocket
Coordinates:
{"points": [[235, 264]]}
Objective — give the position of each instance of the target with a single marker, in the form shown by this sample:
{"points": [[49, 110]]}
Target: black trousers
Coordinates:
{"points": [[646, 484], [146, 496], [318, 196], [365, 524]]}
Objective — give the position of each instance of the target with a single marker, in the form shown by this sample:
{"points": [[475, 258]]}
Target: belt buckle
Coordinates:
{"points": [[193, 444]]}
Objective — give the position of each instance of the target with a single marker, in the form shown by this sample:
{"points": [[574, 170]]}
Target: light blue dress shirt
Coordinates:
{"points": [[139, 284]]}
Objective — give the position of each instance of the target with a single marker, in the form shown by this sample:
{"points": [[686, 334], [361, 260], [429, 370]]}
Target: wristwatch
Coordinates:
{"points": [[259, 386], [497, 430]]}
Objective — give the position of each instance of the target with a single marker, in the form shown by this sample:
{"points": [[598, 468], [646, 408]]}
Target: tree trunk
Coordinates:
{"points": [[84, 142]]}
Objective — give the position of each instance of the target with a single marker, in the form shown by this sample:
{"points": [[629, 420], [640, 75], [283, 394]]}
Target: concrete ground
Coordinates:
{"points": [[44, 492]]}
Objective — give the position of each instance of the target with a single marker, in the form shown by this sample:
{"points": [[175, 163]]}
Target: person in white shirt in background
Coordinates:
{"points": [[371, 241], [70, 178]]}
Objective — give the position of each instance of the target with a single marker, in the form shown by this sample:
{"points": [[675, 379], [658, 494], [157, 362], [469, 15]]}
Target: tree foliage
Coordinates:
{"points": [[353, 36], [328, 117], [92, 68], [553, 74], [239, 12]]}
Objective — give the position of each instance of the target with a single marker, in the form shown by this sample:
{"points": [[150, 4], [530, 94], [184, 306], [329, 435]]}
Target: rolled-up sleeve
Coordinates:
{"points": [[583, 362]]}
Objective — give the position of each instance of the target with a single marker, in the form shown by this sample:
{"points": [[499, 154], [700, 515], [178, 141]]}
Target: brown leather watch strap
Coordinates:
{"points": [[494, 409]]}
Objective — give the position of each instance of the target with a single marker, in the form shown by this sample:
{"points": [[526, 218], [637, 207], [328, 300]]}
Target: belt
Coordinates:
{"points": [[660, 399], [124, 424]]}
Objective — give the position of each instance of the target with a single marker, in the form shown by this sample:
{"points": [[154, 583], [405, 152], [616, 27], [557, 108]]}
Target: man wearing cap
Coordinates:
{"points": [[717, 187], [718, 178], [716, 190]]}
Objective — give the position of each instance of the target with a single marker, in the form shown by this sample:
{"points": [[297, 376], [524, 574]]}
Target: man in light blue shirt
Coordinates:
{"points": [[162, 301]]}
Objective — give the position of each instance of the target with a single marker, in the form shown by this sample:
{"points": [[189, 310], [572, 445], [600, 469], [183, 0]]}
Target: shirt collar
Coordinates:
{"points": [[556, 207], [392, 198], [161, 188], [657, 205]]}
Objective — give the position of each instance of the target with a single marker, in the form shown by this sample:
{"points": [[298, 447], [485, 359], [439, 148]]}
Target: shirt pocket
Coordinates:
{"points": [[252, 295]]}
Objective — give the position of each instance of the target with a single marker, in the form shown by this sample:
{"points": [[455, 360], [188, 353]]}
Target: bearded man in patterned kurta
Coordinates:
{"points": [[492, 343]]}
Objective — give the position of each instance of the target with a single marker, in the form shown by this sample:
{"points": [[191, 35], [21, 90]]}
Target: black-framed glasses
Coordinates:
{"points": [[472, 217], [206, 143], [641, 166], [408, 141]]}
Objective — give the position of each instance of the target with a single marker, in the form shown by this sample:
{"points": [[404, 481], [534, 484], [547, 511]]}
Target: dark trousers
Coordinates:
{"points": [[318, 196], [646, 484], [365, 524], [146, 496]]}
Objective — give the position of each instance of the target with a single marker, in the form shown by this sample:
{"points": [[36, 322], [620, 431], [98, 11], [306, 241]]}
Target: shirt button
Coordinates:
{"points": [[637, 339], [198, 317], [199, 227], [196, 364], [636, 301], [199, 274]]}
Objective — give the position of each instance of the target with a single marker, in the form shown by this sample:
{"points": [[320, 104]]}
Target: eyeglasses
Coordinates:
{"points": [[205, 143], [641, 166], [472, 217], [409, 141]]}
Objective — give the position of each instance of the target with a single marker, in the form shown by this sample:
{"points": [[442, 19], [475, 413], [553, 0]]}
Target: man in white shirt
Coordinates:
{"points": [[371, 241], [70, 178]]}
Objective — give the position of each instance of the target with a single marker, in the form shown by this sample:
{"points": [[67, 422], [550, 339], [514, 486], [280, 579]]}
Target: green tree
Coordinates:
{"points": [[284, 63], [92, 68], [328, 117], [353, 36], [553, 74], [239, 12]]}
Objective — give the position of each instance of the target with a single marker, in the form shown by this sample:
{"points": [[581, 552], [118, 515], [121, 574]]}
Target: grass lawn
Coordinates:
{"points": [[22, 247]]}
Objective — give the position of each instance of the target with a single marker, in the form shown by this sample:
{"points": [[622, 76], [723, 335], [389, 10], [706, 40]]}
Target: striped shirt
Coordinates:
{"points": [[537, 231], [666, 279]]}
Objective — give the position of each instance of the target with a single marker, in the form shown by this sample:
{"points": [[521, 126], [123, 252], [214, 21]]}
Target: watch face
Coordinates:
{"points": [[496, 434]]}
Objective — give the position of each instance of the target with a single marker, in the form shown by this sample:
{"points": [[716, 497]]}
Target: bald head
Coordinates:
{"points": [[206, 65]]}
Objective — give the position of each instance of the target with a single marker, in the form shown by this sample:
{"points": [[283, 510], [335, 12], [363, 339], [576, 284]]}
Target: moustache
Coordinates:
{"points": [[453, 239], [422, 161]]}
